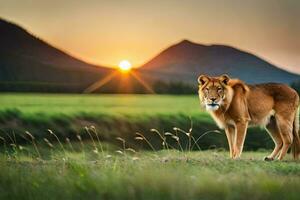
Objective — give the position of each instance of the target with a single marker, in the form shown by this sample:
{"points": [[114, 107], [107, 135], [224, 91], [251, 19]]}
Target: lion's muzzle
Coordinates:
{"points": [[212, 106]]}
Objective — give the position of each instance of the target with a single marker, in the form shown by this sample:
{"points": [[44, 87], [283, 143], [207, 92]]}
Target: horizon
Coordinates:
{"points": [[161, 28]]}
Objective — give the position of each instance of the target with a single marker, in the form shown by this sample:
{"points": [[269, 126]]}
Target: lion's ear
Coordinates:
{"points": [[202, 79], [224, 79]]}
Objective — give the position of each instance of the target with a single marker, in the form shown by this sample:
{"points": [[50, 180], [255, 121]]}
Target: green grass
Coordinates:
{"points": [[114, 116], [68, 104], [81, 172], [148, 175]]}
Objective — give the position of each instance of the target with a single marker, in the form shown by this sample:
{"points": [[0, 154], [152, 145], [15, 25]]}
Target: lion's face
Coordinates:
{"points": [[212, 91]]}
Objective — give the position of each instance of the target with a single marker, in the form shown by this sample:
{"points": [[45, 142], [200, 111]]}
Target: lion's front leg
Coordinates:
{"points": [[230, 132], [240, 134]]}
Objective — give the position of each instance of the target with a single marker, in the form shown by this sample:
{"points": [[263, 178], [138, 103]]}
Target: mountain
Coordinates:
{"points": [[186, 60], [28, 63]]}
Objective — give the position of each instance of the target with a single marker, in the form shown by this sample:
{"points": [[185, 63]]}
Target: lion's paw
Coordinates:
{"points": [[268, 159]]}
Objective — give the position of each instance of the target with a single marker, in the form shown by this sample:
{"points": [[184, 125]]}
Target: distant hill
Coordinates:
{"points": [[186, 60], [28, 63]]}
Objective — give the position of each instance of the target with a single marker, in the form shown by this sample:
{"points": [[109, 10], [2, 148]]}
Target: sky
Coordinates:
{"points": [[106, 32]]}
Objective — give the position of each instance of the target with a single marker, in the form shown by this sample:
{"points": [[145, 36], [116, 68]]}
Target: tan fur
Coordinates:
{"points": [[234, 106]]}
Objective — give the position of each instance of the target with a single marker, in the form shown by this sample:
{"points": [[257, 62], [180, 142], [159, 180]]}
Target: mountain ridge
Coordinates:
{"points": [[192, 59], [27, 59], [28, 63], [9, 28]]}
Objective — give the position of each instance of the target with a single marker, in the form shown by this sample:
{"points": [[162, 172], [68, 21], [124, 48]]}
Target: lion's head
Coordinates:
{"points": [[212, 91]]}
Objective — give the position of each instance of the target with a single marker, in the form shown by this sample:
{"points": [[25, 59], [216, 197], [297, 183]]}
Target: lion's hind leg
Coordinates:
{"points": [[285, 124], [274, 132]]}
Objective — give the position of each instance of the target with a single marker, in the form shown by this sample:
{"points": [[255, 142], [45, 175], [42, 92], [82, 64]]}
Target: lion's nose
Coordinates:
{"points": [[213, 99]]}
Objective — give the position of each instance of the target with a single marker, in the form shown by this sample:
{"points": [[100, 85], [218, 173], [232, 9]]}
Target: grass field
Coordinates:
{"points": [[113, 116], [67, 104], [106, 161], [148, 175]]}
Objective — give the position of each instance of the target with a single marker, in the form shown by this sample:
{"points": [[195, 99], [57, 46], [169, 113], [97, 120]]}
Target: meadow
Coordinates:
{"points": [[167, 174], [59, 146], [113, 116], [68, 104]]}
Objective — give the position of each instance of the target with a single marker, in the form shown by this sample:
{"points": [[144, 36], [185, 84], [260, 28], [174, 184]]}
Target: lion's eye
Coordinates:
{"points": [[206, 89], [219, 89]]}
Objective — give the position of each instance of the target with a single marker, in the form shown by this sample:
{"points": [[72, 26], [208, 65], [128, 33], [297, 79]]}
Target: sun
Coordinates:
{"points": [[125, 66]]}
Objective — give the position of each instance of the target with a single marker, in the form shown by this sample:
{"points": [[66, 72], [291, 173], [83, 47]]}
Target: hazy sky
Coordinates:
{"points": [[105, 32]]}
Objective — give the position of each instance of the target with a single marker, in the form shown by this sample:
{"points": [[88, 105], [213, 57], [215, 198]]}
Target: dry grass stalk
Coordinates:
{"points": [[99, 142], [142, 137], [48, 143], [81, 143], [164, 142], [33, 142], [95, 150], [70, 144], [58, 140]]}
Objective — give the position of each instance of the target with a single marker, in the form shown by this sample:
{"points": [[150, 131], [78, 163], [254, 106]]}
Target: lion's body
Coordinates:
{"points": [[237, 106]]}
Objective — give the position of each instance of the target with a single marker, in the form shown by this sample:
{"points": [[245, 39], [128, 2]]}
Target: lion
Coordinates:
{"points": [[235, 105]]}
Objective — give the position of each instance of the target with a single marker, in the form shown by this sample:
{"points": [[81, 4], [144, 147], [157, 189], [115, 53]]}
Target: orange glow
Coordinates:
{"points": [[125, 66], [125, 79], [138, 37]]}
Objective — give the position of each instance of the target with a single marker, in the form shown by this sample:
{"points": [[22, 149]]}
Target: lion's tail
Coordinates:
{"points": [[296, 139]]}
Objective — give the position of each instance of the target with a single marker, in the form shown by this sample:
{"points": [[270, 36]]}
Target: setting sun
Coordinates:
{"points": [[125, 65]]}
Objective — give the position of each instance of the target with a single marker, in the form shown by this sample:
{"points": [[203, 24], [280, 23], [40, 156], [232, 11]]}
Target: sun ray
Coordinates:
{"points": [[123, 67], [146, 85], [100, 83]]}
